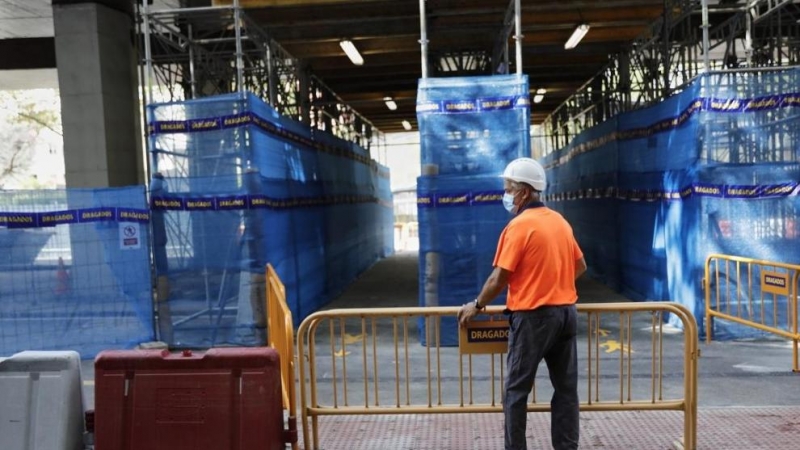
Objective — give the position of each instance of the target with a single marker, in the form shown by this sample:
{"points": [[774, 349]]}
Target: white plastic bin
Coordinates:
{"points": [[42, 401]]}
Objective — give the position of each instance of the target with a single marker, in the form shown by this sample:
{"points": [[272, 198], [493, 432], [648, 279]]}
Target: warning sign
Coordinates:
{"points": [[775, 283], [484, 337], [130, 236]]}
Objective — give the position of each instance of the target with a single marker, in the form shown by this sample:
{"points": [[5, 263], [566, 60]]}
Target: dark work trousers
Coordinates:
{"points": [[547, 333]]}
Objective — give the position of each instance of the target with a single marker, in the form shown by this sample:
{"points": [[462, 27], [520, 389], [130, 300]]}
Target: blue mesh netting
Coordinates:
{"points": [[713, 169], [472, 125], [470, 129], [243, 187], [75, 269]]}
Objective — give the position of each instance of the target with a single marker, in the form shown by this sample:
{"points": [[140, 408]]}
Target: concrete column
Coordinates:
{"points": [[96, 64]]}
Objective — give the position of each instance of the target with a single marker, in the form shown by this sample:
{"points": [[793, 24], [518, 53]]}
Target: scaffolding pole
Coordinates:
{"points": [[706, 46], [518, 35], [237, 12], [192, 82], [423, 38], [148, 58]]}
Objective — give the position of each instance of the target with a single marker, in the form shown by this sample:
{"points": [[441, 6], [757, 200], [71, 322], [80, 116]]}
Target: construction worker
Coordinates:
{"points": [[63, 284], [538, 260], [158, 187]]}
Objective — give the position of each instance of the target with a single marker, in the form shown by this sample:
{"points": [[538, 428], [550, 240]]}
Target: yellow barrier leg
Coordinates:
{"points": [[315, 430]]}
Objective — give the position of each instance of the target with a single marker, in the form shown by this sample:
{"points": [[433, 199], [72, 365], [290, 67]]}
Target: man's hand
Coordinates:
{"points": [[467, 312], [497, 281]]}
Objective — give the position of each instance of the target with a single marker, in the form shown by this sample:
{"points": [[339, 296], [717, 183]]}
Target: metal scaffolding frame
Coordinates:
{"points": [[673, 51], [767, 137], [732, 139], [196, 52], [329, 113], [472, 62], [192, 53]]}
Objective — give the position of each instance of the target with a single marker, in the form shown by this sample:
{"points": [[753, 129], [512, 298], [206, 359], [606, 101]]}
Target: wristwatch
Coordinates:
{"points": [[478, 305]]}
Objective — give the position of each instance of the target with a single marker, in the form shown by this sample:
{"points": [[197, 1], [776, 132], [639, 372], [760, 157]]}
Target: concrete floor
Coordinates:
{"points": [[731, 373]]}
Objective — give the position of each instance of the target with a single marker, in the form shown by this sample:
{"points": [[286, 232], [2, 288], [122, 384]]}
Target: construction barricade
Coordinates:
{"points": [[280, 336], [345, 356], [759, 296], [41, 403], [227, 398]]}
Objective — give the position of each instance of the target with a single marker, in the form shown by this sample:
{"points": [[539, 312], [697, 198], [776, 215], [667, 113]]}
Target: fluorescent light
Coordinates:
{"points": [[407, 125], [390, 103], [539, 95], [352, 52], [577, 35]]}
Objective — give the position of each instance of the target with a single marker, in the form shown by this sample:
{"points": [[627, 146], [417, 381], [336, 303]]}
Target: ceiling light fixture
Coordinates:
{"points": [[577, 35], [539, 95], [390, 103], [352, 52], [407, 125]]}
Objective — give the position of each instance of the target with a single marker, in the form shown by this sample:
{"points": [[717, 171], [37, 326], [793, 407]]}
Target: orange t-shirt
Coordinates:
{"points": [[540, 251]]}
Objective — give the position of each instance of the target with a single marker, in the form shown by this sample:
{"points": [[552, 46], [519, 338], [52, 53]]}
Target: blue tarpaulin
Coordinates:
{"points": [[713, 169], [470, 129], [74, 270], [241, 186]]}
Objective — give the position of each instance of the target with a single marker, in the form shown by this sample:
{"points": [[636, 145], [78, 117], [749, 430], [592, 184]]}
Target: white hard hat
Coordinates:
{"points": [[526, 170]]}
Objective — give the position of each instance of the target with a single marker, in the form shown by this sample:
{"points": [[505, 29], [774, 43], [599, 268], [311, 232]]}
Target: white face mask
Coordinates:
{"points": [[508, 202]]}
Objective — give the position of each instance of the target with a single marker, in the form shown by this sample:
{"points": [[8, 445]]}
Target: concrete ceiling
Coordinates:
{"points": [[34, 18], [387, 33], [27, 51], [25, 18]]}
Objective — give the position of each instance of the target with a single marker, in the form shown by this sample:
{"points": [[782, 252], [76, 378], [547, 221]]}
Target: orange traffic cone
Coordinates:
{"points": [[62, 278]]}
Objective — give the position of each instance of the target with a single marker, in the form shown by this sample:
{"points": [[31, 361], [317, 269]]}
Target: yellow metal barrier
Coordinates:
{"points": [[280, 336], [751, 292], [412, 379]]}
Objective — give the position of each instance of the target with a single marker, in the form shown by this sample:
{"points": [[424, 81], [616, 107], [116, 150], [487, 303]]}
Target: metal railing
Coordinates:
{"points": [[432, 379], [754, 293], [280, 336]]}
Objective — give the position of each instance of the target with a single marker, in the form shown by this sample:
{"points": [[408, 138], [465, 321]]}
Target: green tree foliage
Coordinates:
{"points": [[24, 117]]}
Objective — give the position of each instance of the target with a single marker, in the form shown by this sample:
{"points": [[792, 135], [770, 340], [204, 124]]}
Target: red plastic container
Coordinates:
{"points": [[223, 399]]}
